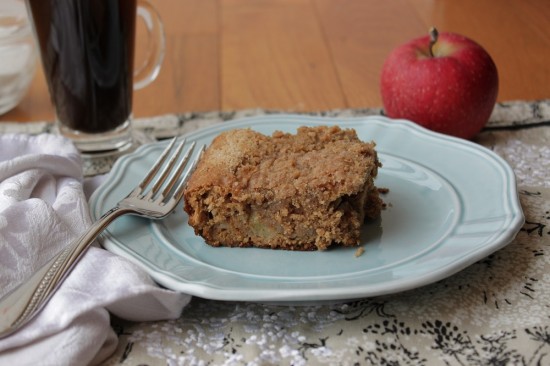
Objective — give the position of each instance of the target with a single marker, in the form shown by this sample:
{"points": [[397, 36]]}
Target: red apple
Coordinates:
{"points": [[445, 82]]}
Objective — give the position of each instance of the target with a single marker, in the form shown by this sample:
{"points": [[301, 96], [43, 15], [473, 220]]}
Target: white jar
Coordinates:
{"points": [[18, 53]]}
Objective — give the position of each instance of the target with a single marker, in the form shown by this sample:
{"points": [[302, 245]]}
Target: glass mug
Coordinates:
{"points": [[87, 51]]}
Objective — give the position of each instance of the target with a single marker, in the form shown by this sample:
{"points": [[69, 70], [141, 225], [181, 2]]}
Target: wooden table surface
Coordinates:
{"points": [[306, 55]]}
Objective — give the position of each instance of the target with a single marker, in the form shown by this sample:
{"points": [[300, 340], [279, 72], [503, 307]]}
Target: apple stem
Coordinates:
{"points": [[434, 34]]}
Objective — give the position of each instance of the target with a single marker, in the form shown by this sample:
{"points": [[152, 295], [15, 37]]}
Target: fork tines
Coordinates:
{"points": [[174, 168]]}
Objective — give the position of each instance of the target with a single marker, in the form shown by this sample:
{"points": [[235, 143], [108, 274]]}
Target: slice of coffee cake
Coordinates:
{"points": [[303, 191]]}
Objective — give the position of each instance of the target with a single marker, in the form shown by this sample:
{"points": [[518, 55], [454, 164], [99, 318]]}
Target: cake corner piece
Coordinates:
{"points": [[303, 191]]}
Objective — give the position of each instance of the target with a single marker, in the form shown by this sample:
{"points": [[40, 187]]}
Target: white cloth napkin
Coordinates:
{"points": [[42, 209]]}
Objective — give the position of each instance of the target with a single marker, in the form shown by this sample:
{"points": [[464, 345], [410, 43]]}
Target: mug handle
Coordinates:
{"points": [[150, 69]]}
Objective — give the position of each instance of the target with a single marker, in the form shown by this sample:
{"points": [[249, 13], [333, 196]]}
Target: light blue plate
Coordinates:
{"points": [[450, 203]]}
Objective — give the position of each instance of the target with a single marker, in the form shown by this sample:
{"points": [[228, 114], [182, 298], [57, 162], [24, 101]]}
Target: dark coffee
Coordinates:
{"points": [[87, 49]]}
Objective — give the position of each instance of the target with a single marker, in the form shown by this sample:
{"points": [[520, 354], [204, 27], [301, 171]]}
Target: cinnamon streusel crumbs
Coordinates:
{"points": [[303, 191]]}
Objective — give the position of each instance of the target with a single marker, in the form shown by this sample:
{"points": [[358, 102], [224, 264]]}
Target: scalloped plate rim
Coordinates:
{"points": [[351, 291]]}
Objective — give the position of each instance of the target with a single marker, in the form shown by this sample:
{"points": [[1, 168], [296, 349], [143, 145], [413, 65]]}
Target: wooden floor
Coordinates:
{"points": [[304, 55]]}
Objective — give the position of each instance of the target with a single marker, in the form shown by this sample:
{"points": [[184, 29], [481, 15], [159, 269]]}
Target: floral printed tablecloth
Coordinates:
{"points": [[495, 312]]}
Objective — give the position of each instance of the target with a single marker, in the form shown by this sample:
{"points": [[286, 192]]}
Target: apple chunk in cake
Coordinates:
{"points": [[303, 191]]}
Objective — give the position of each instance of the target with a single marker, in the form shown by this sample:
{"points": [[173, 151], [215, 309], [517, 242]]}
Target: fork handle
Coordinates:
{"points": [[22, 303]]}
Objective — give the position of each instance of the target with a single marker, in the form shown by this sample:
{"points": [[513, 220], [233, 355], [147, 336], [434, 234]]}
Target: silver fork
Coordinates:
{"points": [[25, 301]]}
